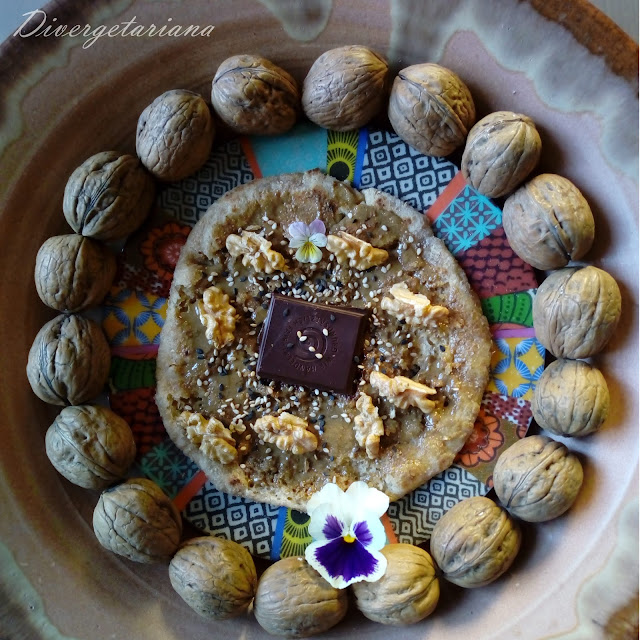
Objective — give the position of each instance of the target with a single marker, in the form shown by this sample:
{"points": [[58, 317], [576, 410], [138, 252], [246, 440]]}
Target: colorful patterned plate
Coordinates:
{"points": [[470, 225]]}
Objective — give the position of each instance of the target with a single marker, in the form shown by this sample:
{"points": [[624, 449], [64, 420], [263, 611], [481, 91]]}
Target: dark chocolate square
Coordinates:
{"points": [[295, 331]]}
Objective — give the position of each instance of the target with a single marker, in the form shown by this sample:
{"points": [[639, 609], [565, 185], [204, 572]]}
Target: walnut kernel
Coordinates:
{"points": [[413, 308], [403, 392], [256, 252], [218, 316], [368, 426], [358, 254], [210, 436], [287, 432]]}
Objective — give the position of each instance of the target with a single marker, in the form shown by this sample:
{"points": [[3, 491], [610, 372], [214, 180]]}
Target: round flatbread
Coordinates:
{"points": [[277, 376]]}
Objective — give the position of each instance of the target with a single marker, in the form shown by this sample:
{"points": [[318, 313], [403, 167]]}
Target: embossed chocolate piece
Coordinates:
{"points": [[313, 345]]}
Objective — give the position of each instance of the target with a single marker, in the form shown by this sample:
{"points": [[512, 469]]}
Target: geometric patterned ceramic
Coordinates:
{"points": [[470, 225]]}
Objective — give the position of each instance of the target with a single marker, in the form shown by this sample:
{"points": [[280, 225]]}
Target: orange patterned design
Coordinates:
{"points": [[484, 442], [161, 249]]}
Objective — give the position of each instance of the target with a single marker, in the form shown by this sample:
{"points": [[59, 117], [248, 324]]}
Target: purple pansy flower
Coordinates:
{"points": [[307, 238], [347, 533]]}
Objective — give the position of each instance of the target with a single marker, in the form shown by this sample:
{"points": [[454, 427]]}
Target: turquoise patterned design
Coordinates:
{"points": [[469, 218], [168, 467], [302, 148]]}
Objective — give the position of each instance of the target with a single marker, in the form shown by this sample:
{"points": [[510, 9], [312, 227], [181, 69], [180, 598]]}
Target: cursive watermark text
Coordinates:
{"points": [[37, 24]]}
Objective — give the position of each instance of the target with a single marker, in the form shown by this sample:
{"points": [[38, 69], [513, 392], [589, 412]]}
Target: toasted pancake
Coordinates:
{"points": [[246, 389]]}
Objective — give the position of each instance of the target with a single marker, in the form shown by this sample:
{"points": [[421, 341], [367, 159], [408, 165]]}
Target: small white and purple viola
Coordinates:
{"points": [[347, 534]]}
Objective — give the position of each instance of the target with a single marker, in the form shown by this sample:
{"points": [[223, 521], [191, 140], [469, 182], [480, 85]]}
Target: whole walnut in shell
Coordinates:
{"points": [[73, 272], [537, 479], [576, 311], [501, 151], [174, 135], [108, 196], [215, 577], [294, 600], [548, 222], [475, 542], [408, 591], [90, 445], [571, 398], [137, 520], [345, 88], [431, 109], [254, 96], [69, 361]]}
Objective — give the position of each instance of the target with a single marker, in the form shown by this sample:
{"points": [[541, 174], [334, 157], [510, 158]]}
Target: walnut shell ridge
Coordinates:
{"points": [[475, 542], [73, 273], [215, 577], [108, 196], [294, 600], [174, 134], [345, 88], [69, 361], [576, 311], [137, 520], [408, 591], [90, 445], [501, 151], [571, 398], [548, 222], [537, 479], [254, 96], [431, 109]]}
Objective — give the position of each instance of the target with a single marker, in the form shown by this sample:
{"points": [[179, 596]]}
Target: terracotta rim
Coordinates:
{"points": [[595, 31]]}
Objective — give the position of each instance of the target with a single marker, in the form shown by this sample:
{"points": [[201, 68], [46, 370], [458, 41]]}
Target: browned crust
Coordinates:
{"points": [[435, 450]]}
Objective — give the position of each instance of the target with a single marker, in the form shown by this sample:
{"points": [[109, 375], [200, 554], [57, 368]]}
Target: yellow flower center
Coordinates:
{"points": [[348, 538]]}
